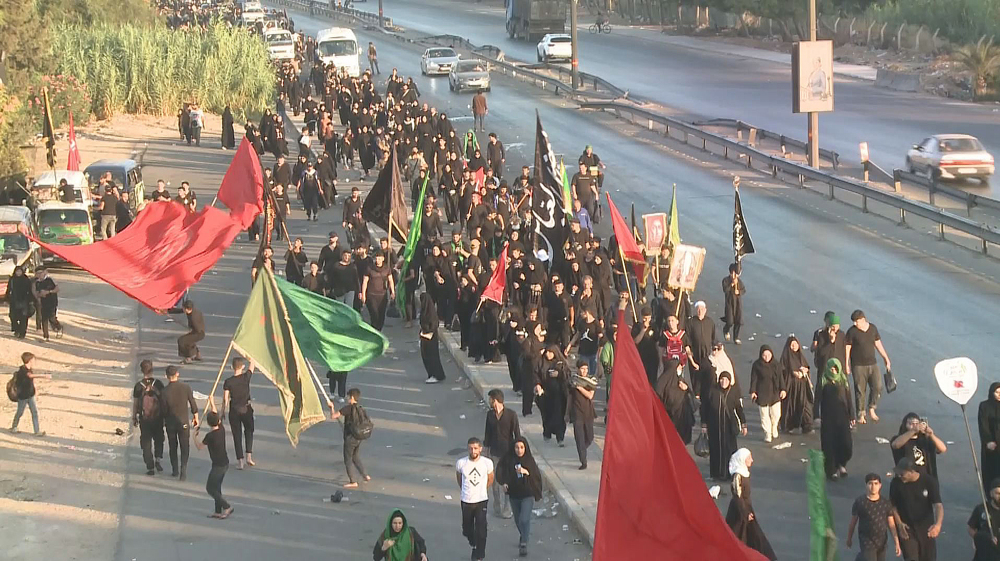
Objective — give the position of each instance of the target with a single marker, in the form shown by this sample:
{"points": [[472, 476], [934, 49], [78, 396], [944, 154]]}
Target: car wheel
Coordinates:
{"points": [[538, 56], [451, 85], [909, 166]]}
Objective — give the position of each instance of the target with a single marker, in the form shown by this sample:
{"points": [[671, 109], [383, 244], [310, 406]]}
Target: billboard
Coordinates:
{"points": [[812, 77]]}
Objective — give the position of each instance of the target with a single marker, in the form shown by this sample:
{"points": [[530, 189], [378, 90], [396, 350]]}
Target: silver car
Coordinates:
{"points": [[469, 75], [438, 61], [951, 156]]}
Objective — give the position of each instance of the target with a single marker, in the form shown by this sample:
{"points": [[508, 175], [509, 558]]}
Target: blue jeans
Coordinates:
{"points": [[30, 402], [522, 516]]}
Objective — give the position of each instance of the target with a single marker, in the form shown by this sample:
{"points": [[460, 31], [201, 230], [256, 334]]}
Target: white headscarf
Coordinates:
{"points": [[722, 363], [738, 463]]}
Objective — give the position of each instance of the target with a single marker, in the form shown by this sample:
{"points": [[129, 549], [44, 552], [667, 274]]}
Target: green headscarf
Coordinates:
{"points": [[836, 378], [402, 549], [475, 142]]}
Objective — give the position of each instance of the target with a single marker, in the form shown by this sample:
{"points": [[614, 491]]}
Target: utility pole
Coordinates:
{"points": [[813, 116], [381, 21], [572, 34]]}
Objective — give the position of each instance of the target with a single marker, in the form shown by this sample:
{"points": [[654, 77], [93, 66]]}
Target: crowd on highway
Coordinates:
{"points": [[555, 327]]}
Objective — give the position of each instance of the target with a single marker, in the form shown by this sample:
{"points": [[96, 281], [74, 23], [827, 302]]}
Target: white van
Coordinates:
{"points": [[339, 46], [252, 13], [280, 43]]}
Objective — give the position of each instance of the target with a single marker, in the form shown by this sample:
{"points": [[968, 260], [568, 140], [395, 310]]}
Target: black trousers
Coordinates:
{"points": [[377, 304], [186, 344], [150, 436], [241, 424], [338, 382], [918, 547], [583, 432], [430, 353], [178, 435], [527, 395], [352, 459], [214, 487], [474, 527]]}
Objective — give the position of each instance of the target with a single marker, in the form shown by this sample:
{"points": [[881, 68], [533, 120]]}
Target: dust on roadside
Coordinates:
{"points": [[61, 495]]}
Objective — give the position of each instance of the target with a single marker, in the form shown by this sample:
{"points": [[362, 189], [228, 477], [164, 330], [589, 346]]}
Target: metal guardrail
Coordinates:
{"points": [[318, 8], [756, 133], [777, 165], [599, 84], [934, 186]]}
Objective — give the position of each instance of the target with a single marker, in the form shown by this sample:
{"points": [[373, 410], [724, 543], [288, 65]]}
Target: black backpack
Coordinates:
{"points": [[150, 401], [12, 388], [361, 425]]}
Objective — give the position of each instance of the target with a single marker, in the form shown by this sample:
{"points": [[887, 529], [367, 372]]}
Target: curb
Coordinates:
{"points": [[580, 520]]}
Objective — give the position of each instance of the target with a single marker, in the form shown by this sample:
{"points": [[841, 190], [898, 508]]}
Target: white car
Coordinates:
{"points": [[438, 61], [555, 46], [951, 156], [280, 44]]}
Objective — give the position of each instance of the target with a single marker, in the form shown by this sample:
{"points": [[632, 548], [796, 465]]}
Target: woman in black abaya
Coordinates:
{"points": [[797, 407], [228, 134], [723, 420], [673, 392], [741, 517], [838, 418], [989, 434], [430, 344], [553, 378], [366, 150]]}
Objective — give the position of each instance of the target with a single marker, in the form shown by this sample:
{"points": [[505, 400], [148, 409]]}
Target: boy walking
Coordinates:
{"points": [[355, 422], [872, 516], [215, 440], [147, 414], [24, 382]]}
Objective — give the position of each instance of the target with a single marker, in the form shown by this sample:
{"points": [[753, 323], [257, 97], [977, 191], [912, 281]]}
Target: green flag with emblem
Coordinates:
{"points": [[265, 335], [411, 247]]}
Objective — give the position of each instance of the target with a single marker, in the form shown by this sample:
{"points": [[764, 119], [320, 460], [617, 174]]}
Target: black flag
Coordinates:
{"points": [[386, 203], [547, 197], [742, 244], [48, 132]]}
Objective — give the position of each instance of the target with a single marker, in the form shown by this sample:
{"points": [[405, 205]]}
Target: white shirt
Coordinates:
{"points": [[475, 476]]}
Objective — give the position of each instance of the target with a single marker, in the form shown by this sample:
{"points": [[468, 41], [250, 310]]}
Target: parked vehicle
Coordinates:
{"points": [[16, 224], [126, 174], [280, 43], [555, 46], [469, 75], [531, 19], [46, 186], [438, 61], [338, 45], [63, 224], [951, 156]]}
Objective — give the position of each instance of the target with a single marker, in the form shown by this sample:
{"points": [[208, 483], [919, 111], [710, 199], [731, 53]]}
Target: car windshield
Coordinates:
{"points": [[562, 39], [338, 47], [471, 66], [62, 217], [15, 242], [279, 38], [960, 145], [441, 53], [117, 176]]}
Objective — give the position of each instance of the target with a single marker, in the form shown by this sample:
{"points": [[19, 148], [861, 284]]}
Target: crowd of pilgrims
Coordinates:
{"points": [[554, 306]]}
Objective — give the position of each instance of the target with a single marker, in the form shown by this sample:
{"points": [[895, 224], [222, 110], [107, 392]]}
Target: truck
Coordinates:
{"points": [[533, 19]]}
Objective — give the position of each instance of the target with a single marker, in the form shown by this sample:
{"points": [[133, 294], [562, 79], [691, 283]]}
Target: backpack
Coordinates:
{"points": [[12, 388], [361, 425], [675, 347], [150, 401]]}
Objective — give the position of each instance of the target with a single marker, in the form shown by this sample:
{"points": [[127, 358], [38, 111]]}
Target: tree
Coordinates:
{"points": [[25, 39], [982, 60]]}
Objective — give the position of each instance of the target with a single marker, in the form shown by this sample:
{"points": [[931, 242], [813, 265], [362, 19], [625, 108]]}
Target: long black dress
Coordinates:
{"points": [[797, 407], [228, 134], [554, 378], [989, 431], [722, 412], [835, 431], [430, 349], [676, 401], [738, 518]]}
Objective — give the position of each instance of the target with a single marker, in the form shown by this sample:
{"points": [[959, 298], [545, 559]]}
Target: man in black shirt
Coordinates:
{"points": [[329, 255], [376, 282], [282, 172], [352, 446], [47, 294], [917, 510], [313, 281], [187, 347], [109, 213], [589, 335], [872, 515], [236, 398], [178, 399], [581, 410], [147, 414], [502, 428], [585, 190], [495, 155], [66, 192], [161, 193], [861, 342], [215, 440], [983, 525]]}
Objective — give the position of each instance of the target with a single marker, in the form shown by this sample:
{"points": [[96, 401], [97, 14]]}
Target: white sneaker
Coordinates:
{"points": [[767, 438], [431, 381]]}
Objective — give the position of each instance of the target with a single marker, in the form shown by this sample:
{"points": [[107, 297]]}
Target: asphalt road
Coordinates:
{"points": [[705, 85], [930, 300]]}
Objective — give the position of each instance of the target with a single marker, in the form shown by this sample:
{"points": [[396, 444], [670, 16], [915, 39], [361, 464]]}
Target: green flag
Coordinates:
{"points": [[265, 335], [674, 235], [823, 540], [567, 194], [328, 331], [411, 247]]}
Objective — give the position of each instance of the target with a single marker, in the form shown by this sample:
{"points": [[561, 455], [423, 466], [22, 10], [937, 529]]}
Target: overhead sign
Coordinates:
{"points": [[957, 378], [812, 76]]}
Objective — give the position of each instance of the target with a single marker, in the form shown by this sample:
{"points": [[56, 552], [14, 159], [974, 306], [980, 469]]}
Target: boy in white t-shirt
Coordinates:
{"points": [[474, 474]]}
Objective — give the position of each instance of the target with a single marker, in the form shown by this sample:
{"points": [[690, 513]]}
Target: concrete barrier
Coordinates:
{"points": [[899, 81]]}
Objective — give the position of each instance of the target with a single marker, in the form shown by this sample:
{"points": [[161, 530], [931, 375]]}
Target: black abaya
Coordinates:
{"points": [[228, 135], [554, 380], [835, 431], [797, 407], [989, 431], [722, 412], [676, 401], [430, 349], [738, 518]]}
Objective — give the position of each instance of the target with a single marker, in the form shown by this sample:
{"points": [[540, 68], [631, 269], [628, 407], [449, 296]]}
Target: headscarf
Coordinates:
{"points": [[831, 377], [429, 321], [527, 461], [402, 549], [792, 360], [722, 362], [738, 463]]}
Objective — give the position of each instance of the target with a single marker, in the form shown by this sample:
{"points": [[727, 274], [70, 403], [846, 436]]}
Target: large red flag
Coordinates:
{"points": [[242, 189], [498, 282], [160, 255], [653, 503], [73, 162], [626, 240]]}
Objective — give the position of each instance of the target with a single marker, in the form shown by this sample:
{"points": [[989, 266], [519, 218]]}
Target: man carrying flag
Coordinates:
{"points": [[48, 132], [742, 244]]}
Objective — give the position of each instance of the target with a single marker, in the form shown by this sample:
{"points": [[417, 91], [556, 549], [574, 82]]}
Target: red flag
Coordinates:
{"points": [[653, 503], [160, 255], [498, 282], [480, 178], [626, 240], [73, 163], [242, 189]]}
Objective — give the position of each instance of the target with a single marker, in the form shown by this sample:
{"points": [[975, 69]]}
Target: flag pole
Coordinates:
{"points": [[680, 295], [979, 475], [316, 379], [628, 285], [215, 386]]}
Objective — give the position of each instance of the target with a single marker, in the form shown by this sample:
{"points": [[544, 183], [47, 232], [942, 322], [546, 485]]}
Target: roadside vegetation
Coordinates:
{"points": [[98, 58]]}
